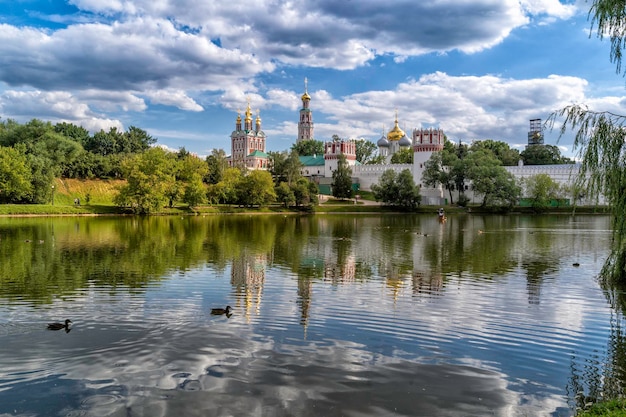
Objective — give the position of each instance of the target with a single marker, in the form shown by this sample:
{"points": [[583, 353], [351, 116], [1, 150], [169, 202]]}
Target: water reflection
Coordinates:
{"points": [[333, 315]]}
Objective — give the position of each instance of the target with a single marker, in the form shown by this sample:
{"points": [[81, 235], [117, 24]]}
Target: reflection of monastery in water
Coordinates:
{"points": [[248, 278]]}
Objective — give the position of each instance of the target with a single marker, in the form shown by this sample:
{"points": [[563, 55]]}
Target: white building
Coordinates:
{"points": [[423, 142]]}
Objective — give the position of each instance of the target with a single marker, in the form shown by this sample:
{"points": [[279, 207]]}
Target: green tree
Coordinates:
{"points": [[284, 195], [378, 159], [305, 192], [397, 189], [256, 189], [194, 192], [501, 150], [103, 143], [600, 140], [277, 166], [71, 131], [408, 192], [543, 155], [150, 175], [309, 147], [217, 164], [136, 140], [436, 173], [365, 150], [489, 178], [403, 156], [342, 179], [386, 190], [15, 176], [541, 188]]}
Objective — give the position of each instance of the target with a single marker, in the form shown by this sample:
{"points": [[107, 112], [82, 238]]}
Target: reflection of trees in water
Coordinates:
{"points": [[603, 377]]}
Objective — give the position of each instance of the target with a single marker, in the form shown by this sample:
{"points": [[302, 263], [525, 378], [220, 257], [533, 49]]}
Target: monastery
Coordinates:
{"points": [[248, 149]]}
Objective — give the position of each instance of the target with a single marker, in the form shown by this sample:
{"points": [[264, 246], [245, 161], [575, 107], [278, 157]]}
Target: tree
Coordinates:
{"points": [[71, 131], [397, 189], [342, 179], [408, 193], [305, 192], [15, 176], [543, 155], [541, 188], [277, 166], [309, 147], [403, 156], [365, 150], [195, 191], [378, 159], [436, 173], [600, 140], [225, 191], [217, 164], [256, 189], [285, 195], [136, 140], [150, 175], [502, 151], [386, 190], [489, 178]]}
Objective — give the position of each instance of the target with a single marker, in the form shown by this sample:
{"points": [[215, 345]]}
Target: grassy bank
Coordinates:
{"points": [[96, 198], [611, 408]]}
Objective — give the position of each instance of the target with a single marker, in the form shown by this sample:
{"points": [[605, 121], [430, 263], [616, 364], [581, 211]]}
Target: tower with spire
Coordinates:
{"points": [[248, 142], [305, 124]]}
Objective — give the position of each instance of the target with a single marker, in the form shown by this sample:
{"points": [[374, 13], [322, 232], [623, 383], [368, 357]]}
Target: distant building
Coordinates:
{"points": [[535, 134], [305, 124], [247, 144]]}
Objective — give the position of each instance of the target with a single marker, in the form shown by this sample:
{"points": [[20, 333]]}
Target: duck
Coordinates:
{"points": [[59, 326], [220, 311], [575, 264]]}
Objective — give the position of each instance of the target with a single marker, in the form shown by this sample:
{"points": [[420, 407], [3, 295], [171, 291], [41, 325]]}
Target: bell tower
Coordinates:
{"points": [[305, 124]]}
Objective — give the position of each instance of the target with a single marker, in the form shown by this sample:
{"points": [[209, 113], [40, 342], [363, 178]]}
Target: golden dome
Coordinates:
{"points": [[306, 95], [396, 133], [248, 113]]}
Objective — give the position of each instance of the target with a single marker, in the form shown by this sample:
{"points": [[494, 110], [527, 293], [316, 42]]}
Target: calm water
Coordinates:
{"points": [[333, 316]]}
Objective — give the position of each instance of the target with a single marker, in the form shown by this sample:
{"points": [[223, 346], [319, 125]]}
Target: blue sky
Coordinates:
{"points": [[180, 69]]}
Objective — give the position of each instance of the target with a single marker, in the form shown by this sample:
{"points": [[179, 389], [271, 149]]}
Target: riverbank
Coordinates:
{"points": [[96, 199], [330, 206]]}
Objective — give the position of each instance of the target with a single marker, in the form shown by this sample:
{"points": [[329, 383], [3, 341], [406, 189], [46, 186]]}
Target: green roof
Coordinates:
{"points": [[258, 154], [312, 161]]}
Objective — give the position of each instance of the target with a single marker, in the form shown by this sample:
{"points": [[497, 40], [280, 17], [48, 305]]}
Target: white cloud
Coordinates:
{"points": [[54, 106], [177, 98]]}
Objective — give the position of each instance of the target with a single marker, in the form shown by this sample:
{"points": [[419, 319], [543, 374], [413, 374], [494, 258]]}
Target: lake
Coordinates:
{"points": [[332, 315]]}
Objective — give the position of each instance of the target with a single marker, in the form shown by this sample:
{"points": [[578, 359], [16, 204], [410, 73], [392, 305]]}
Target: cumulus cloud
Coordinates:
{"points": [[125, 55], [465, 107], [55, 106]]}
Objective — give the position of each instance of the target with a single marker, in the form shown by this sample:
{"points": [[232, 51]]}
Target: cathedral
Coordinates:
{"points": [[248, 150], [247, 144]]}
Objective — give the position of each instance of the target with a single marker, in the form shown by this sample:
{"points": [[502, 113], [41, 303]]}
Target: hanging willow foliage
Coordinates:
{"points": [[601, 142], [600, 139]]}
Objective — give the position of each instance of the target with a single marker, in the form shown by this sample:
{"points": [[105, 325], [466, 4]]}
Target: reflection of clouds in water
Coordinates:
{"points": [[217, 374], [165, 370]]}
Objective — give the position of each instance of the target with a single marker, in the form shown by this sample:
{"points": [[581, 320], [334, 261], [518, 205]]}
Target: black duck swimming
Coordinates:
{"points": [[221, 311], [59, 326]]}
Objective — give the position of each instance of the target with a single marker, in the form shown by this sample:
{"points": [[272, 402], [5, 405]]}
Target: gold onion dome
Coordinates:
{"points": [[396, 133], [306, 96]]}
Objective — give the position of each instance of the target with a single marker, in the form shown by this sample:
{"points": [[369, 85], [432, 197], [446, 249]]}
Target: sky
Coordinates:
{"points": [[181, 69]]}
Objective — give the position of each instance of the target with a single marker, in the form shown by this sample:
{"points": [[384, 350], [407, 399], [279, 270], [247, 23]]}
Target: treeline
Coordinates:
{"points": [[33, 154]]}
